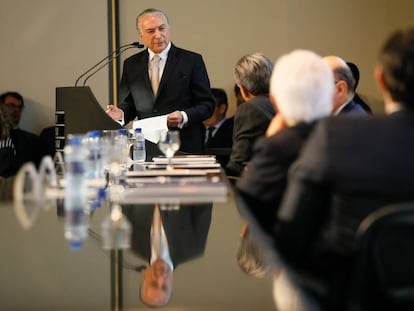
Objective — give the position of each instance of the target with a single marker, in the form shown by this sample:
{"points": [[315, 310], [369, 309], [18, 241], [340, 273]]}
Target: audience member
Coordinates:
{"points": [[28, 146], [355, 73], [252, 74], [165, 79], [239, 97], [340, 178], [219, 129], [7, 149], [343, 102], [299, 105]]}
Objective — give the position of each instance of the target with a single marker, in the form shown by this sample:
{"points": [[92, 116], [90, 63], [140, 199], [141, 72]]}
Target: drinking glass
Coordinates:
{"points": [[169, 143]]}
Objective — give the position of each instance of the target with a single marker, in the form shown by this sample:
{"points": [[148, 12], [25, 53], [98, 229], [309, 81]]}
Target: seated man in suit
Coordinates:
{"points": [[355, 72], [252, 74], [343, 102], [219, 129], [339, 179], [299, 106], [27, 145]]}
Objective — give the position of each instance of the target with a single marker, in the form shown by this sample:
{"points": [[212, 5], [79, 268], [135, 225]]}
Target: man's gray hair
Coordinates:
{"points": [[151, 11], [253, 72]]}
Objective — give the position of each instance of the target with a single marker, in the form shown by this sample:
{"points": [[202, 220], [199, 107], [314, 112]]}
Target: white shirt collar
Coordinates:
{"points": [[163, 55]]}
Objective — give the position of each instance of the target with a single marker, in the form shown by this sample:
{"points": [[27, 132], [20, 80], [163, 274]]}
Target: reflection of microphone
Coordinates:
{"points": [[108, 59]]}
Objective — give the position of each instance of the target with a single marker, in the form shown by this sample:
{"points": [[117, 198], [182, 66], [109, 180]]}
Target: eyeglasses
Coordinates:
{"points": [[15, 107]]}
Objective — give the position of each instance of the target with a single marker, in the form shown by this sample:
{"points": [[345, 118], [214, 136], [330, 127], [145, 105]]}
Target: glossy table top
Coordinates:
{"points": [[39, 271]]}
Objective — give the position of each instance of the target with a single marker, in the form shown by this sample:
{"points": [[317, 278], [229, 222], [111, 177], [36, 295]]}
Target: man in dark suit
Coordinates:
{"points": [[165, 79], [186, 232], [263, 182], [28, 146], [252, 73], [219, 129], [340, 178], [343, 103]]}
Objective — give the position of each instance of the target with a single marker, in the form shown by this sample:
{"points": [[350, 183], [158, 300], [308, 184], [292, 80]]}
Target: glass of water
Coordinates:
{"points": [[169, 144]]}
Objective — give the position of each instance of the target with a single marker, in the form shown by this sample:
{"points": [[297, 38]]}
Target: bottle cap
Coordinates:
{"points": [[96, 133], [138, 130], [74, 140], [122, 131], [75, 244]]}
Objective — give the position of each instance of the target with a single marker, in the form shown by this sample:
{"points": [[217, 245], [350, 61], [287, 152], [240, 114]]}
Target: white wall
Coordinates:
{"points": [[49, 43]]}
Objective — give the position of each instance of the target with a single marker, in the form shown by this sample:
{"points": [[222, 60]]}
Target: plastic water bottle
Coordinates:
{"points": [[94, 162], [75, 203], [139, 153]]}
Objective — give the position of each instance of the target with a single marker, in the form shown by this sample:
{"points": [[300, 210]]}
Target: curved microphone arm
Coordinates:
{"points": [[110, 56], [120, 51]]}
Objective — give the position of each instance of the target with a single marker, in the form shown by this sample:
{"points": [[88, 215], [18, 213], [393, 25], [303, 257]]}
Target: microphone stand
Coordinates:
{"points": [[109, 57]]}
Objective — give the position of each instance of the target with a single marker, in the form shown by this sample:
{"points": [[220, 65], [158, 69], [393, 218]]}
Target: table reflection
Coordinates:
{"points": [[39, 266], [182, 237]]}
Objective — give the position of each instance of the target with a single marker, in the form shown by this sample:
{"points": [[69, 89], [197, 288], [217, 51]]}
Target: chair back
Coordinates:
{"points": [[383, 272]]}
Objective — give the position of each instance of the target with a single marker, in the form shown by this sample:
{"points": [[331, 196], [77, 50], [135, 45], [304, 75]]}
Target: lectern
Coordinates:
{"points": [[77, 112]]}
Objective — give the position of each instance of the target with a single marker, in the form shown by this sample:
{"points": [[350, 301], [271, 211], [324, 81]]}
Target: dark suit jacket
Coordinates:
{"points": [[223, 138], [29, 148], [186, 230], [250, 122], [184, 86], [354, 108], [349, 167], [263, 183]]}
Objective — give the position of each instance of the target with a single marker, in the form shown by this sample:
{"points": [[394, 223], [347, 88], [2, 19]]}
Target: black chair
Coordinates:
{"points": [[383, 271]]}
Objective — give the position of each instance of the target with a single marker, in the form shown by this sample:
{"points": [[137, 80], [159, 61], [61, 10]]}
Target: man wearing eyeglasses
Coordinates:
{"points": [[27, 145], [343, 102]]}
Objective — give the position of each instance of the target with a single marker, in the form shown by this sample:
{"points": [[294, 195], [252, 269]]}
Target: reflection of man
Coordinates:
{"points": [[179, 237], [165, 79]]}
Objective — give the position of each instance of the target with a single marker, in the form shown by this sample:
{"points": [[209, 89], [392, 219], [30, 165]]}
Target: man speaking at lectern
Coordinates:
{"points": [[165, 79]]}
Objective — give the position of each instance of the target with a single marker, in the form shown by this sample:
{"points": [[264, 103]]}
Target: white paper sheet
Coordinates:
{"points": [[151, 127]]}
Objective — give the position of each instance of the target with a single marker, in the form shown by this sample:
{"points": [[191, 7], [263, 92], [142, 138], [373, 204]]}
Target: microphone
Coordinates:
{"points": [[109, 58]]}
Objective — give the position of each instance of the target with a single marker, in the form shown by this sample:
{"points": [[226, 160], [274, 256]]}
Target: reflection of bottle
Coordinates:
{"points": [[139, 153], [76, 225]]}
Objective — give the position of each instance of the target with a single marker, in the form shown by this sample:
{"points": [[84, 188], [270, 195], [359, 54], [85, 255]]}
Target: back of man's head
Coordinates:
{"points": [[302, 85], [397, 60]]}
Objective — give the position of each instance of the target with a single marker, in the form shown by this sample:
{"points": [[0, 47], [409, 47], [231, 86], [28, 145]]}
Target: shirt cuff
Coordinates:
{"points": [[185, 119]]}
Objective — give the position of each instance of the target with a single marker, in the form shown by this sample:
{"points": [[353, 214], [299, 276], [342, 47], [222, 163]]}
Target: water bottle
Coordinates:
{"points": [[139, 154], [94, 162], [75, 203]]}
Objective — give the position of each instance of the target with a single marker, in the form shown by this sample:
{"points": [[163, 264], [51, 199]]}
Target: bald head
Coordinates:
{"points": [[344, 80]]}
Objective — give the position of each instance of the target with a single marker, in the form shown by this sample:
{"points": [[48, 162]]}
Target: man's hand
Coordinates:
{"points": [[276, 124], [174, 119], [114, 112]]}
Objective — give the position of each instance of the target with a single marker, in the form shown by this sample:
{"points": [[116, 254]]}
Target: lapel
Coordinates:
{"points": [[170, 65]]}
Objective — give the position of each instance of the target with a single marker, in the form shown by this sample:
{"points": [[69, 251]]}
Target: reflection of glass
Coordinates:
{"points": [[116, 230], [169, 144]]}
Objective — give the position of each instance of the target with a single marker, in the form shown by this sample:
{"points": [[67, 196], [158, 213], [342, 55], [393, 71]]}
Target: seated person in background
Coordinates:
{"points": [[340, 178], [299, 105], [239, 97], [252, 74], [219, 129], [7, 149], [343, 102], [27, 145], [357, 98]]}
